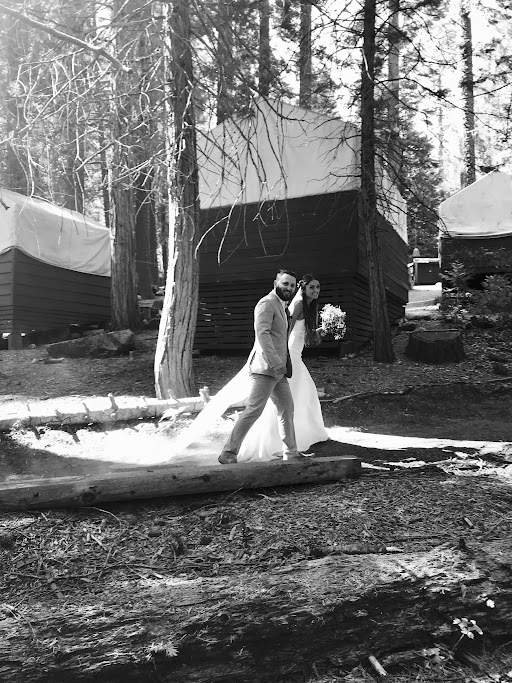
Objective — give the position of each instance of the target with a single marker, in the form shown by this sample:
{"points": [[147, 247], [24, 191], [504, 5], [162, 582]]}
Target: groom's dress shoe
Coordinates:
{"points": [[227, 458], [294, 456]]}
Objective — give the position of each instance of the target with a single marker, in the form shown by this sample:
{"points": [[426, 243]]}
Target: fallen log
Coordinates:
{"points": [[98, 409], [320, 615], [176, 480]]}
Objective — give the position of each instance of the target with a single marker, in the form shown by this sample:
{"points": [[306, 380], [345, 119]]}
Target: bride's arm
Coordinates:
{"points": [[295, 309]]}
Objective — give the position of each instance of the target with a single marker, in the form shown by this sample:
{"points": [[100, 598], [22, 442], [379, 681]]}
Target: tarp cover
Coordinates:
{"points": [[54, 235], [282, 151], [482, 209]]}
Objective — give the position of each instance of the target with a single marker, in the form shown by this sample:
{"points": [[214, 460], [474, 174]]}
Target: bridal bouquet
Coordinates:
{"points": [[332, 320]]}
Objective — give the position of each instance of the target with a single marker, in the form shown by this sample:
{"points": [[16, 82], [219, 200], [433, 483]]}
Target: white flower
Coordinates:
{"points": [[333, 321]]}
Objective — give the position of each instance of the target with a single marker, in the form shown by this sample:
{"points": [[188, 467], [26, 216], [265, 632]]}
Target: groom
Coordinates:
{"points": [[269, 366]]}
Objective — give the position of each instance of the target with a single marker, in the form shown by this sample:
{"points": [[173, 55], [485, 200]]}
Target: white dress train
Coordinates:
{"points": [[208, 432]]}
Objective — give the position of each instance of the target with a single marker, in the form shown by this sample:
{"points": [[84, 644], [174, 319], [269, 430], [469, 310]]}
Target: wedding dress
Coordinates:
{"points": [[208, 432]]}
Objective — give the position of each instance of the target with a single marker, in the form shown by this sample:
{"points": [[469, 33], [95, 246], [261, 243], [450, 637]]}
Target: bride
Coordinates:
{"points": [[205, 434]]}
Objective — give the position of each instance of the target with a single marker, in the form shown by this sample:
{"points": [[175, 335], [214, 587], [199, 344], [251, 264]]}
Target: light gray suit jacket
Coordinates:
{"points": [[268, 356]]}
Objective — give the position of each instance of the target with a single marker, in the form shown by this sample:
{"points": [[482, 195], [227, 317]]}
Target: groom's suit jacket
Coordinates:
{"points": [[270, 350]]}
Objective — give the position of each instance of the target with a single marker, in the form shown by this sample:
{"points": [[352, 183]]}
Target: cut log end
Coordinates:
{"points": [[435, 346]]}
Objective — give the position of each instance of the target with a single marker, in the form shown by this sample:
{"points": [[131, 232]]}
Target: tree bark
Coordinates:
{"points": [[174, 376], [125, 308], [172, 480], [225, 84], [264, 68], [290, 622], [444, 346], [16, 172], [393, 147], [305, 56], [467, 85], [368, 215]]}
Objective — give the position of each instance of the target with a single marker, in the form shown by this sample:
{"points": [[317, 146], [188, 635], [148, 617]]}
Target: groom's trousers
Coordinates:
{"points": [[264, 387]]}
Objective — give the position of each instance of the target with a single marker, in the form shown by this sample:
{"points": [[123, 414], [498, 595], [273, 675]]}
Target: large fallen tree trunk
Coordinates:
{"points": [[97, 409], [265, 628], [175, 480]]}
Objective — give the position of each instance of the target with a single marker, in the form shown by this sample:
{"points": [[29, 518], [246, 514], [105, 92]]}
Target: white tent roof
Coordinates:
{"points": [[280, 152], [52, 234], [482, 209]]}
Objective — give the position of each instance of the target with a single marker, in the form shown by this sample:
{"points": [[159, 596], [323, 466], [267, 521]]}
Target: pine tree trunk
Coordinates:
{"points": [[125, 308], [16, 177], [225, 61], [173, 361], [305, 56], [368, 216], [143, 227], [393, 147], [467, 83], [264, 69]]}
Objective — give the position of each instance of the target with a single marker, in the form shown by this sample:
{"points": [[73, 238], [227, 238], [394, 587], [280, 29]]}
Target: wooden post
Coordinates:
{"points": [[175, 480]]}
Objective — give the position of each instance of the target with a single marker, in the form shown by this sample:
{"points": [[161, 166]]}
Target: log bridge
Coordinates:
{"points": [[177, 480]]}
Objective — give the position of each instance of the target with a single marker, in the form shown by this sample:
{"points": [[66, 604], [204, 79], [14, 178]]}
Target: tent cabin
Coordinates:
{"points": [[476, 227], [280, 188], [54, 267]]}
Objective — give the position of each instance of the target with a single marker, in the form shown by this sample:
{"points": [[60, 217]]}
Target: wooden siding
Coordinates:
{"points": [[226, 314], [394, 261], [309, 235], [45, 297], [6, 279]]}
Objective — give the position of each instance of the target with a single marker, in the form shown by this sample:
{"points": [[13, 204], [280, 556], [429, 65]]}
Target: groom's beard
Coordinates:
{"points": [[284, 294]]}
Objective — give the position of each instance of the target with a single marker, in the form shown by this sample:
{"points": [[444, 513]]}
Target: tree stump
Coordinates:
{"points": [[435, 346]]}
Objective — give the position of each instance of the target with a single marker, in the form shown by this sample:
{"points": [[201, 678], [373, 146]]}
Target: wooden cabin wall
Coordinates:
{"points": [[481, 255], [394, 263], [318, 235], [47, 297], [309, 234], [6, 280]]}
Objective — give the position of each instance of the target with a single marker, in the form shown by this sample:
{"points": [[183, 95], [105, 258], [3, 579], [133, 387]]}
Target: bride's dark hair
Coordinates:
{"points": [[309, 311]]}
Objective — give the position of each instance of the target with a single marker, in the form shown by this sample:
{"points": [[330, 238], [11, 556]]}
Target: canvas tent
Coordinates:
{"points": [[54, 266], [476, 225], [280, 187]]}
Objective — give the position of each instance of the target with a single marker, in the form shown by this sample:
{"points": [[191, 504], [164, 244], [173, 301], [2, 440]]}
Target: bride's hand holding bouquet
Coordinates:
{"points": [[332, 320]]}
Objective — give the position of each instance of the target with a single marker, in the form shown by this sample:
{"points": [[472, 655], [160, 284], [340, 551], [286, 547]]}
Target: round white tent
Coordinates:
{"points": [[482, 209]]}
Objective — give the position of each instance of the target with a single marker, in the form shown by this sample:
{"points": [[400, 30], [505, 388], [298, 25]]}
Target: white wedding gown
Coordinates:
{"points": [[208, 432]]}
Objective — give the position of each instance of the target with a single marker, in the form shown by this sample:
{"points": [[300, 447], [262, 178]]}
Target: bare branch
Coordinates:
{"points": [[95, 49]]}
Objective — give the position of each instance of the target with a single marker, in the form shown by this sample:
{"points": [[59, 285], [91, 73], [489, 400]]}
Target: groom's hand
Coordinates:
{"points": [[280, 370]]}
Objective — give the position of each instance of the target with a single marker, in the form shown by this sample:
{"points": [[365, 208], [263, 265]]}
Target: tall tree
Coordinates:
{"points": [[14, 42], [173, 361], [368, 214], [393, 95], [125, 307], [467, 84], [305, 55], [264, 61], [226, 67]]}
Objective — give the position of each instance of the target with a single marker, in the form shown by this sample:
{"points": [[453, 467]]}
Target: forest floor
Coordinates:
{"points": [[436, 448]]}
